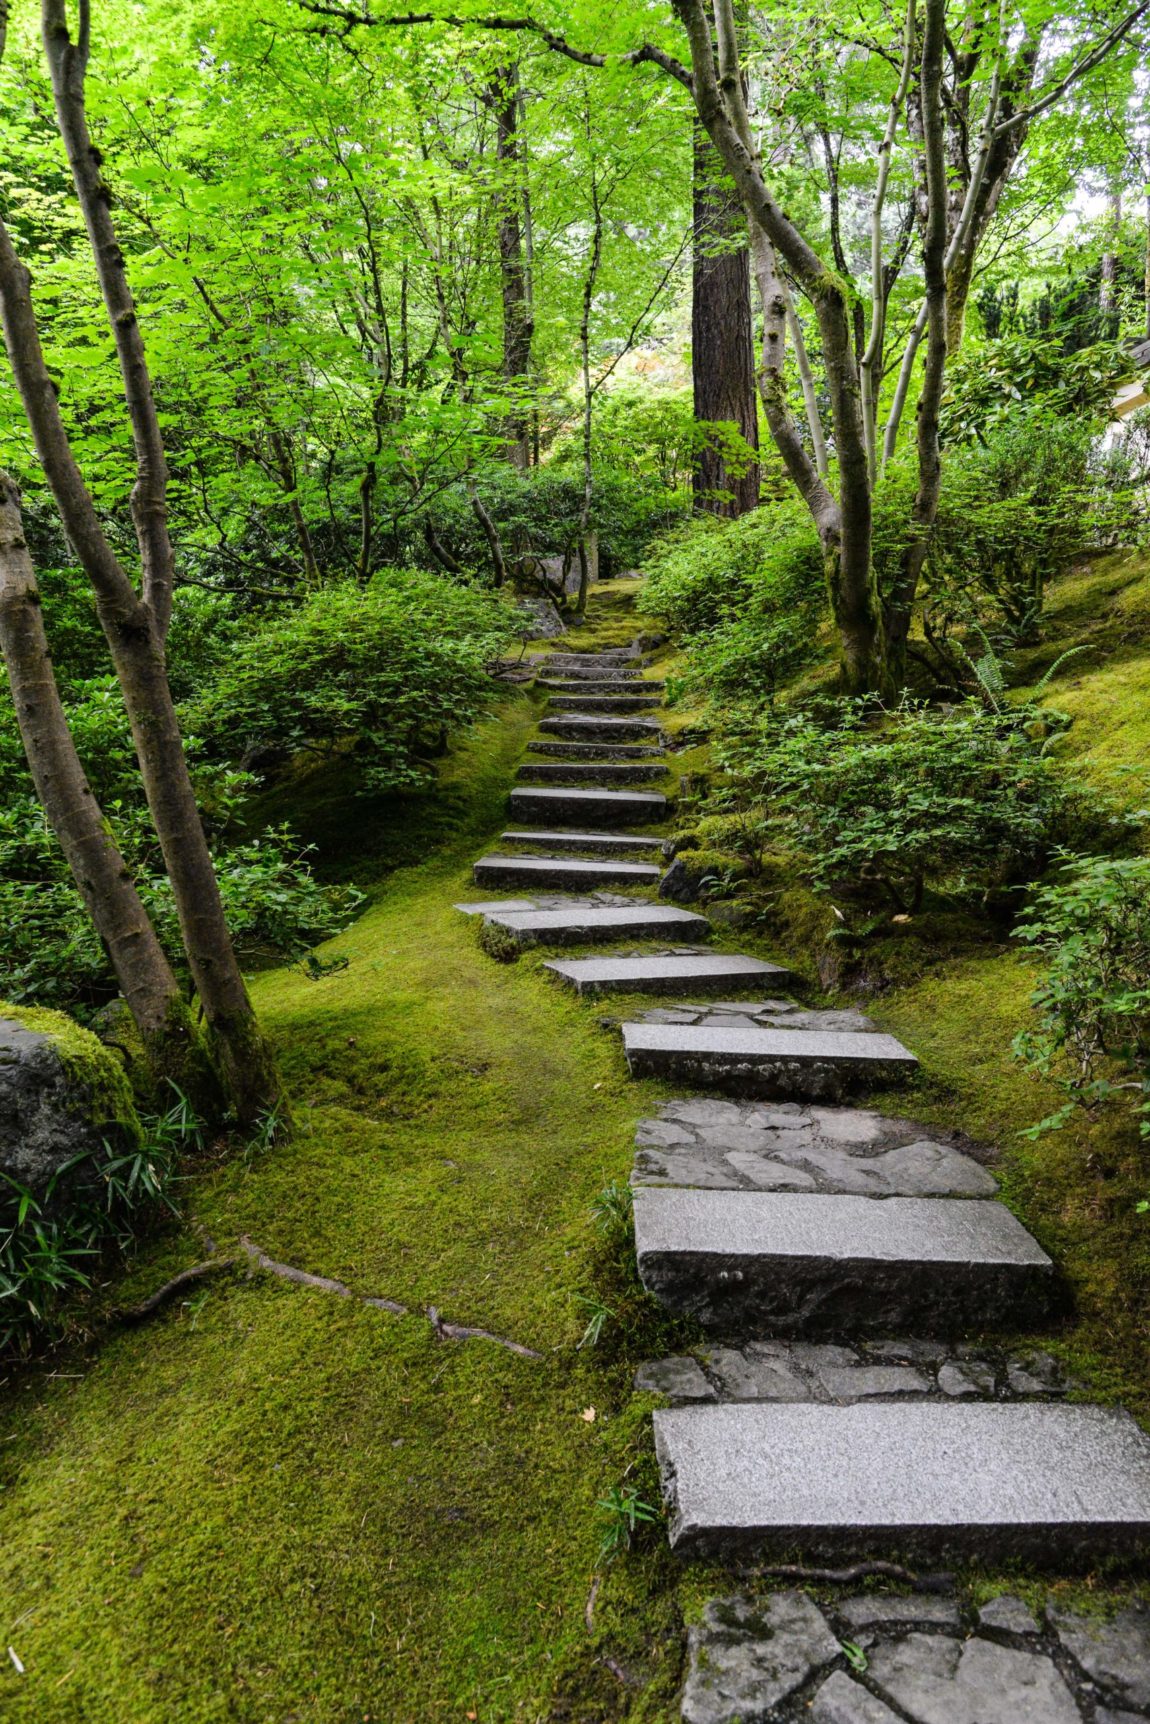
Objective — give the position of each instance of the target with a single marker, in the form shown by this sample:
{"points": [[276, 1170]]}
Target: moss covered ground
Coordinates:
{"points": [[278, 1506]]}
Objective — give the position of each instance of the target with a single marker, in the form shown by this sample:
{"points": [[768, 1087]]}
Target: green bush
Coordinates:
{"points": [[884, 806], [748, 595], [988, 383], [1092, 926], [388, 671]]}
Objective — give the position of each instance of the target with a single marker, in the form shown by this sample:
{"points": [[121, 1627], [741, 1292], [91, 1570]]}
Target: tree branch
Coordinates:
{"points": [[1087, 64]]}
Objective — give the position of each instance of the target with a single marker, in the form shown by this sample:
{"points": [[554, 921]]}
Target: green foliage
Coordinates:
{"points": [[988, 383], [622, 1512], [389, 671], [52, 1242], [883, 806], [1092, 926], [748, 596]]}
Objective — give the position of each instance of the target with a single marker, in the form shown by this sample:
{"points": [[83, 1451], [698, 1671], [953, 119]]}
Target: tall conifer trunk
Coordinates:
{"points": [[722, 338]]}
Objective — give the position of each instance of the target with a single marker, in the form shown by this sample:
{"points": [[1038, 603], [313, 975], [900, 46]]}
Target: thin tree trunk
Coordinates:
{"points": [[100, 872], [722, 339], [1108, 283], [490, 533], [514, 210]]}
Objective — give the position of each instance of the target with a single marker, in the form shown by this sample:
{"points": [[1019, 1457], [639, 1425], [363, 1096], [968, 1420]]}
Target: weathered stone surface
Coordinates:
{"points": [[746, 1659], [678, 1378], [626, 683], [759, 1371], [814, 1064], [1054, 1484], [749, 1261], [904, 1609], [576, 927], [597, 750], [595, 703], [1114, 1654], [966, 1379], [602, 727], [54, 1109], [590, 772], [590, 670], [611, 807], [1035, 1374], [942, 1681], [602, 843], [874, 1382], [1106, 1715], [841, 1700], [661, 975], [1008, 1614], [562, 871], [488, 907]]}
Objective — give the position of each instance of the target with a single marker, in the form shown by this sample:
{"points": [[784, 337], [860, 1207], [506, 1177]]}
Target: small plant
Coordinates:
{"points": [[855, 1656], [612, 1208], [269, 1128], [498, 943], [598, 1315], [316, 968], [1093, 1003], [622, 1511]]}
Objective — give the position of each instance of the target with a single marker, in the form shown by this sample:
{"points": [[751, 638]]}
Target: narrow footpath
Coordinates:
{"points": [[838, 1258]]}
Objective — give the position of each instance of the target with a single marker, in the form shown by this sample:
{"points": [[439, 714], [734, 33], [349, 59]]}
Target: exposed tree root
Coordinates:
{"points": [[589, 1608], [861, 1571], [442, 1330], [458, 1332], [186, 1278], [302, 1278]]}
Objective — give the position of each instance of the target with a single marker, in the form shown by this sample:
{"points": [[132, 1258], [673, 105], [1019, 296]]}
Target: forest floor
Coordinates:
{"points": [[275, 1504]]}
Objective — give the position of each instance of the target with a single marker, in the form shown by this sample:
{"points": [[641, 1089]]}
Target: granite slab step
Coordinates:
{"points": [[563, 871], [593, 843], [606, 655], [706, 972], [619, 669], [590, 771], [597, 750], [607, 807], [807, 1064], [765, 1262], [587, 727], [598, 685], [1057, 1486], [584, 927], [597, 703]]}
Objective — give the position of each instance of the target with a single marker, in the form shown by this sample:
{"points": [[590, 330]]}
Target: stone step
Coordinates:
{"points": [[770, 1262], [1057, 1486], [580, 926], [597, 750], [606, 655], [590, 771], [598, 703], [595, 843], [580, 727], [672, 973], [608, 807], [599, 685], [814, 1065], [562, 871], [591, 672], [752, 1146]]}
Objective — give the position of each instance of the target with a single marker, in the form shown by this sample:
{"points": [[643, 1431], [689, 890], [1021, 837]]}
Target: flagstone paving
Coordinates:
{"points": [[852, 1267]]}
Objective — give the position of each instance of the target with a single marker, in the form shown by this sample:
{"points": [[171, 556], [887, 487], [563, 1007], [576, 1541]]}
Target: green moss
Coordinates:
{"points": [[96, 1071]]}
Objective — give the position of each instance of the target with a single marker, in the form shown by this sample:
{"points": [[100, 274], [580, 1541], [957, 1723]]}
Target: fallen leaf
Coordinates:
{"points": [[16, 1661], [900, 918], [588, 1415]]}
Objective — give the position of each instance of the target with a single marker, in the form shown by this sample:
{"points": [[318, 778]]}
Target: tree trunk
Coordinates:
{"points": [[515, 284], [102, 877], [722, 339], [1108, 283]]}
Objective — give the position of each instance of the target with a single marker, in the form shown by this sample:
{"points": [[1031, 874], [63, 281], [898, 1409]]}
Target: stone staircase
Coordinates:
{"points": [[838, 1259]]}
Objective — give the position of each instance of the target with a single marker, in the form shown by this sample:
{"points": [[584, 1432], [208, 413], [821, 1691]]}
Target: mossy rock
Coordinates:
{"points": [[63, 1096]]}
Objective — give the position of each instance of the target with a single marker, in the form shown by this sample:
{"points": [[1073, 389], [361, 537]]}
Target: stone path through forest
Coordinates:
{"points": [[838, 1258]]}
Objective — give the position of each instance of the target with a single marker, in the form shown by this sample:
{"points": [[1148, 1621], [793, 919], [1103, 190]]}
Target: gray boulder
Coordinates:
{"points": [[62, 1096]]}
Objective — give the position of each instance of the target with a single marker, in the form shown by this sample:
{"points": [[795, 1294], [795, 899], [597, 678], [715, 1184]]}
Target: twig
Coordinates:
{"points": [[589, 1608], [186, 1278], [458, 1332], [861, 1571]]}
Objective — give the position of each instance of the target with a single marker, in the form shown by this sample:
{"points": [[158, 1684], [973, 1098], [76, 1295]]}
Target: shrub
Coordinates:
{"points": [[387, 671], [748, 594], [1092, 926], [885, 806], [987, 383]]}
